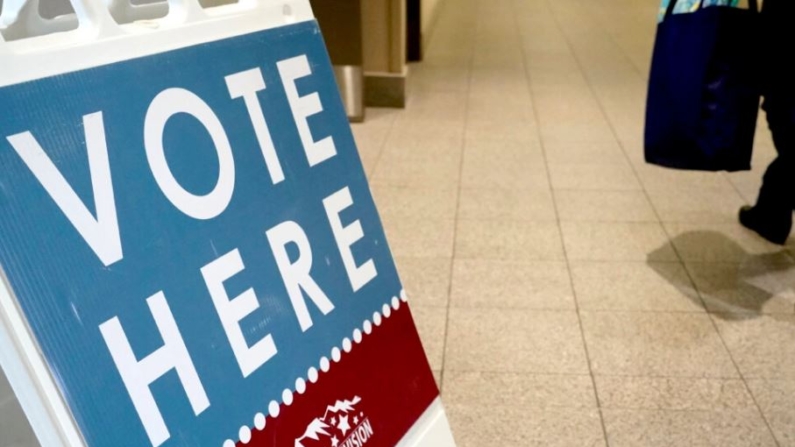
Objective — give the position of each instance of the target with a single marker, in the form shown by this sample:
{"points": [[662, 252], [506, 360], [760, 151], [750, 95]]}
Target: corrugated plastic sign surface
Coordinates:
{"points": [[193, 242]]}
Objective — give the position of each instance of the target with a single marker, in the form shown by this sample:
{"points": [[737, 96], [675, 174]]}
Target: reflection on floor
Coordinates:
{"points": [[567, 293]]}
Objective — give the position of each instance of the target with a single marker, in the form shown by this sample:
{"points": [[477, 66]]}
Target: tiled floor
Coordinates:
{"points": [[567, 293]]}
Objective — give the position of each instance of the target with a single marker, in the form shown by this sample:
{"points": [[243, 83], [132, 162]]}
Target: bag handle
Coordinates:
{"points": [[670, 10], [752, 5]]}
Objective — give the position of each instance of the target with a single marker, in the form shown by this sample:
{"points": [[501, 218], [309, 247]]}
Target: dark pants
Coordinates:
{"points": [[777, 196]]}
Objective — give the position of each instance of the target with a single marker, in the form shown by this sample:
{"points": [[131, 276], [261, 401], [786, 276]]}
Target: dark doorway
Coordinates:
{"points": [[414, 30]]}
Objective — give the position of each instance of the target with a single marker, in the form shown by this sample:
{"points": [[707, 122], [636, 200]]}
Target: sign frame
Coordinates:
{"points": [[97, 41]]}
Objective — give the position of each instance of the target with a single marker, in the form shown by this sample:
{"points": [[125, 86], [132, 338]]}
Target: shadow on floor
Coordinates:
{"points": [[734, 284]]}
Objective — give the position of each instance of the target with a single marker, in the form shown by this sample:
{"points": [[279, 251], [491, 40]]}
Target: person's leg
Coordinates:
{"points": [[771, 217], [778, 189]]}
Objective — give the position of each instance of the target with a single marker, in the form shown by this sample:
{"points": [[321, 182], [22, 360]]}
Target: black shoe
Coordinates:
{"points": [[775, 229]]}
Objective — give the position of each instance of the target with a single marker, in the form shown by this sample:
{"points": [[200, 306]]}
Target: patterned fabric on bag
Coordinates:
{"points": [[685, 6]]}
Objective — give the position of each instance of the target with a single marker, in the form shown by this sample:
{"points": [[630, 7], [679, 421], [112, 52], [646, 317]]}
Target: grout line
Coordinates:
{"points": [[668, 235], [381, 149], [457, 210], [742, 376], [712, 317], [626, 57], [583, 340], [739, 192], [736, 378], [552, 310]]}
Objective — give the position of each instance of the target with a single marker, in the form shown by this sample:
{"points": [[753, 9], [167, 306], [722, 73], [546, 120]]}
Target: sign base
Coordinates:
{"points": [[431, 430]]}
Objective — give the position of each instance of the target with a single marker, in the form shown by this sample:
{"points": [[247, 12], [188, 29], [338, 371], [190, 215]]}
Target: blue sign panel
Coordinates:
{"points": [[188, 232]]}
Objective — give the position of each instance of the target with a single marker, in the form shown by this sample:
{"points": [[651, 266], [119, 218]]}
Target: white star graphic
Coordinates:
{"points": [[334, 442], [356, 420], [333, 421], [343, 426]]}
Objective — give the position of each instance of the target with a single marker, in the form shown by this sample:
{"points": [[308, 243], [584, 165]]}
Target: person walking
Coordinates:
{"points": [[771, 216]]}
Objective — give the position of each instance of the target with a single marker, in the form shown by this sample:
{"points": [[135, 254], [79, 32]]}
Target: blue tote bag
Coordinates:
{"points": [[703, 97]]}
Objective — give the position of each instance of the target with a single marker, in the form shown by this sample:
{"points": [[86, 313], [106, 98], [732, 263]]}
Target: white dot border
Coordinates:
{"points": [[324, 365]]}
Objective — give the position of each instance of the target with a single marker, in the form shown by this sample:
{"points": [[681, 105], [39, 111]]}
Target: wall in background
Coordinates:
{"points": [[384, 35], [430, 12]]}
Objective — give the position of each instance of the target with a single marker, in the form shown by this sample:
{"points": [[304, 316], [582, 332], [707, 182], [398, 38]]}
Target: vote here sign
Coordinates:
{"points": [[192, 240]]}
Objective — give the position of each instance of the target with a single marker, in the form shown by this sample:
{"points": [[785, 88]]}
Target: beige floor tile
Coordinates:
{"points": [[752, 288], [431, 324], [674, 394], [723, 243], [604, 206], [424, 142], [586, 241], [370, 142], [590, 176], [424, 78], [658, 428], [638, 286], [554, 113], [513, 83], [503, 162], [499, 76], [527, 131], [475, 426], [501, 173], [420, 237], [515, 89], [762, 346], [489, 108], [696, 206], [598, 152], [507, 151], [503, 284], [575, 132], [370, 138], [655, 344], [508, 240], [443, 173], [415, 203], [373, 131], [525, 390], [443, 57], [776, 398], [748, 184], [511, 340], [426, 280], [507, 204], [421, 150], [657, 178], [380, 116], [546, 75], [421, 135], [486, 57], [570, 103], [435, 105]]}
